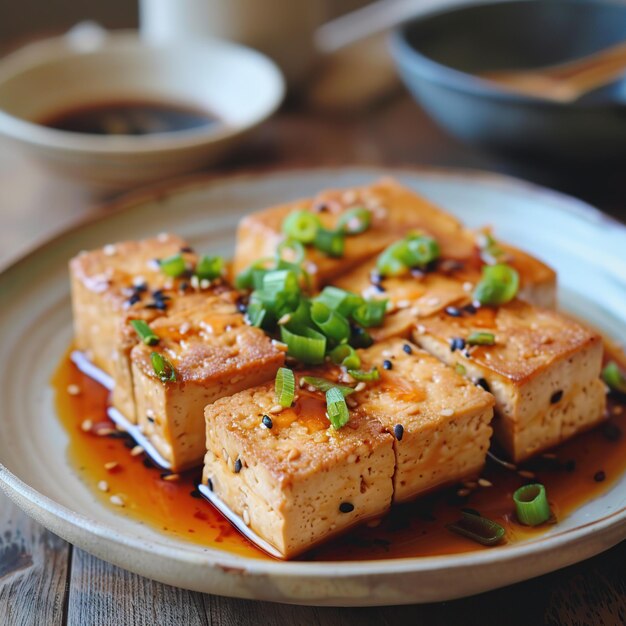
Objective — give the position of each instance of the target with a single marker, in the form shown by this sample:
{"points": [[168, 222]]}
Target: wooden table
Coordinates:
{"points": [[45, 581]]}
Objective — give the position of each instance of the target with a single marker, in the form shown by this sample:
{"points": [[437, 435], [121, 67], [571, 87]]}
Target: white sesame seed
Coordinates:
{"points": [[293, 454], [467, 286], [277, 408], [360, 386], [301, 383], [279, 345], [73, 390], [246, 517], [138, 280], [103, 485], [109, 249], [311, 389], [87, 425], [351, 458], [195, 282], [149, 413], [415, 311], [104, 432], [446, 412], [403, 304], [421, 329], [285, 319], [110, 466], [526, 474], [184, 328], [225, 455], [483, 482], [433, 301], [205, 283], [171, 477], [136, 451], [116, 500]]}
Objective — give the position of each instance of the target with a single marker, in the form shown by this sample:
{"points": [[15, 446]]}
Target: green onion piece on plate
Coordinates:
{"points": [[346, 356], [323, 385], [389, 262], [329, 242], [301, 226], [531, 504], [364, 376], [173, 265], [337, 408], [146, 334], [256, 313], [163, 368], [480, 338], [614, 378], [490, 252], [285, 387], [420, 251], [210, 267], [340, 300], [331, 323], [370, 313], [498, 285], [307, 345], [355, 221], [477, 528], [293, 250]]}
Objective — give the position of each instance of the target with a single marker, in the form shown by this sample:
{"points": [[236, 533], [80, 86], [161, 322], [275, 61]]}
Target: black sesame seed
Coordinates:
{"points": [[210, 484], [321, 207], [195, 494], [470, 309], [612, 431], [407, 348], [346, 507], [159, 305], [134, 299], [267, 421], [481, 382], [398, 431], [238, 466], [556, 396], [150, 419], [157, 293], [242, 307], [599, 476], [570, 465], [454, 311], [375, 278], [141, 288], [186, 249], [457, 343], [183, 286], [387, 364], [379, 288]]}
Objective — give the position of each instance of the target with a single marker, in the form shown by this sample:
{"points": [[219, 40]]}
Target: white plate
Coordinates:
{"points": [[586, 248]]}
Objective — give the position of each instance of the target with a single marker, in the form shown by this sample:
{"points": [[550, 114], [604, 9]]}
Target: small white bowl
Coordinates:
{"points": [[239, 86]]}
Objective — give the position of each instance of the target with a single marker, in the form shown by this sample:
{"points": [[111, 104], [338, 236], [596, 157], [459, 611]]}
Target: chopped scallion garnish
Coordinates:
{"points": [[285, 387], [331, 323], [479, 338], [490, 252], [531, 504], [367, 377], [330, 242], [414, 251], [346, 356], [336, 408], [307, 345], [477, 528], [209, 267], [163, 368], [293, 249], [370, 313], [614, 378], [355, 221], [340, 300], [324, 385], [301, 226], [498, 285], [146, 334], [173, 266]]}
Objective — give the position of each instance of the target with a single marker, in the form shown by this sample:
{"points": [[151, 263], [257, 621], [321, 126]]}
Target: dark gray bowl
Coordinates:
{"points": [[439, 54]]}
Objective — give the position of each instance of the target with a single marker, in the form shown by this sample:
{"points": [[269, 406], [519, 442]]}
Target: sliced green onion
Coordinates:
{"points": [[294, 248], [346, 356], [337, 408], [477, 528], [498, 285], [420, 250], [340, 300], [280, 291], [324, 385], [329, 242], [370, 313], [173, 265], [355, 221], [163, 368], [490, 252], [460, 369], [301, 317], [307, 345], [252, 276], [301, 226], [389, 263], [331, 323], [285, 387], [256, 313], [531, 504], [146, 334], [366, 377], [210, 267], [614, 378], [481, 339]]}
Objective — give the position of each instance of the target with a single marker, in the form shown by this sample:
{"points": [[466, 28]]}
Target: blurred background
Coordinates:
{"points": [[390, 82]]}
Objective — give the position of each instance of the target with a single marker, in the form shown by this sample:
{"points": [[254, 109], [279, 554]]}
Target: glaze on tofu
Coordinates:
{"points": [[214, 354], [543, 371]]}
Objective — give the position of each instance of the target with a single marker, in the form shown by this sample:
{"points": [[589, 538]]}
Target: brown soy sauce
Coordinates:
{"points": [[129, 117]]}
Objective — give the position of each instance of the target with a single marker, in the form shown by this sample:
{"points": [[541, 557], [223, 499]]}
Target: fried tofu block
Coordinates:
{"points": [[395, 210], [214, 354], [543, 371], [440, 421], [300, 481]]}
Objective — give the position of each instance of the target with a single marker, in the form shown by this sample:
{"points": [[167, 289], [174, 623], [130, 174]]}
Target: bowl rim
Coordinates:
{"points": [[56, 49], [410, 58]]}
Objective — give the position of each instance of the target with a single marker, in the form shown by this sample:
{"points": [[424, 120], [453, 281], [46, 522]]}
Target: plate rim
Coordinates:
{"points": [[21, 493]]}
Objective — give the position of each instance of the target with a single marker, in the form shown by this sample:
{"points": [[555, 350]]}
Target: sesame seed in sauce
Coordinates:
{"points": [[463, 493], [483, 482], [116, 500], [111, 465], [346, 507], [360, 386], [238, 466], [398, 431], [454, 311], [407, 348], [136, 451], [267, 421], [285, 319], [526, 474], [277, 408], [556, 396], [246, 517], [599, 476], [171, 477], [387, 364], [87, 425], [73, 390], [103, 485], [446, 412]]}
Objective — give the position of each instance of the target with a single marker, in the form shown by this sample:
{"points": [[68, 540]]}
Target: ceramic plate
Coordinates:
{"points": [[585, 247]]}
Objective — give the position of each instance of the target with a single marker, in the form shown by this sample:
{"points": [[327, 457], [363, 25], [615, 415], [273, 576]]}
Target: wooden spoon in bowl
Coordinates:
{"points": [[565, 82]]}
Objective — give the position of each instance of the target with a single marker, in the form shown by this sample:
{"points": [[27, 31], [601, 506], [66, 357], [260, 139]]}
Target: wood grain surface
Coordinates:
{"points": [[43, 581]]}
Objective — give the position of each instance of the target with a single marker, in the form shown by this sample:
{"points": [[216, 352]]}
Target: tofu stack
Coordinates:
{"points": [[199, 330], [296, 481]]}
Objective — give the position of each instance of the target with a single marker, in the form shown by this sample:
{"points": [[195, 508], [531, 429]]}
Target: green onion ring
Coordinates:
{"points": [[146, 334], [285, 387], [307, 345], [163, 368], [614, 378], [336, 407], [531, 504], [480, 338], [301, 226]]}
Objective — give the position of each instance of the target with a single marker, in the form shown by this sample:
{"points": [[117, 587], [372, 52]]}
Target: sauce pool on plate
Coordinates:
{"points": [[573, 473], [129, 117]]}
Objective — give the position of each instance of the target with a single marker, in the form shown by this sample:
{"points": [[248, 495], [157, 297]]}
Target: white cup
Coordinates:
{"points": [[282, 29]]}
